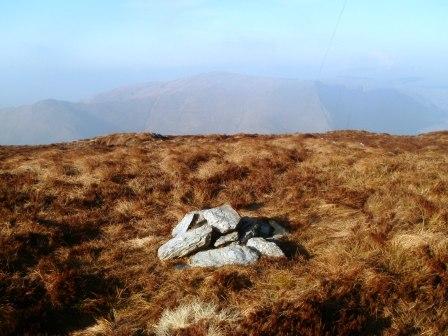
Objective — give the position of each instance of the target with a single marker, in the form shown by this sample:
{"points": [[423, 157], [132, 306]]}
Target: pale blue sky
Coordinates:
{"points": [[71, 49]]}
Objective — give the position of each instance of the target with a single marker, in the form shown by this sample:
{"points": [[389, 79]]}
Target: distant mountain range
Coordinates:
{"points": [[221, 103]]}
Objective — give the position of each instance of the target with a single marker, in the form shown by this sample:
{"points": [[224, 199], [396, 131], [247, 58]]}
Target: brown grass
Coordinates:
{"points": [[80, 224]]}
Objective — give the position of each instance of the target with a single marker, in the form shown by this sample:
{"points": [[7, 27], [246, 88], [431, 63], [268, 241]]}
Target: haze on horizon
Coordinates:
{"points": [[71, 50]]}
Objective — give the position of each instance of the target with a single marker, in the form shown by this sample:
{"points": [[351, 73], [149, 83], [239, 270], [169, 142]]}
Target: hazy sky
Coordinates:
{"points": [[71, 49]]}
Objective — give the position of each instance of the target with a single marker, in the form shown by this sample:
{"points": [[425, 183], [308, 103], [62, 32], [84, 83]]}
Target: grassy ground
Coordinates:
{"points": [[80, 225]]}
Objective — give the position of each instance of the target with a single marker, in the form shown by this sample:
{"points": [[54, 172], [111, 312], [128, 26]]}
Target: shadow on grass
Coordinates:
{"points": [[292, 249]]}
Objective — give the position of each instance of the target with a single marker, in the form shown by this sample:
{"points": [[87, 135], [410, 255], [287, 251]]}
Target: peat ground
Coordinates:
{"points": [[80, 224]]}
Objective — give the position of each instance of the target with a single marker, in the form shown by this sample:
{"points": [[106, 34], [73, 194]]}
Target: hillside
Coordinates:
{"points": [[222, 103], [49, 121], [80, 224]]}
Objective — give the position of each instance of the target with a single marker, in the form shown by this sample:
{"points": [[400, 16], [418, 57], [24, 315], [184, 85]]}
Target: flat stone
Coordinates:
{"points": [[265, 247], [223, 218], [228, 238], [191, 220], [183, 225], [187, 243], [229, 255]]}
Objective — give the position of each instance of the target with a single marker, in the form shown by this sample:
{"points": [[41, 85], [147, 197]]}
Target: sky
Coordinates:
{"points": [[73, 49]]}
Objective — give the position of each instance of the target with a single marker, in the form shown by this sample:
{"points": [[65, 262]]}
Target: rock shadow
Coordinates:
{"points": [[284, 222], [292, 249]]}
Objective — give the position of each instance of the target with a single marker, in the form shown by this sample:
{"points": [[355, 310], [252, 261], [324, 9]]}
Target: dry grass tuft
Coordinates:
{"points": [[194, 318]]}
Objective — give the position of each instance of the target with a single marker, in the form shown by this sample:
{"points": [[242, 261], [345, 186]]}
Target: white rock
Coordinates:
{"points": [[187, 243], [265, 247], [183, 225], [229, 255], [190, 221], [228, 238], [223, 218]]}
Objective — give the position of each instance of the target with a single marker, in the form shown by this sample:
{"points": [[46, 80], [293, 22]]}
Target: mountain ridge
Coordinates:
{"points": [[220, 103]]}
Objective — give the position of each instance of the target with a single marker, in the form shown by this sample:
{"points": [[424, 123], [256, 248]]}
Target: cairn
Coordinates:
{"points": [[219, 236]]}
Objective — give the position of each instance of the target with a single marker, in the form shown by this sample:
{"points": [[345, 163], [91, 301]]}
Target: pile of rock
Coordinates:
{"points": [[219, 236]]}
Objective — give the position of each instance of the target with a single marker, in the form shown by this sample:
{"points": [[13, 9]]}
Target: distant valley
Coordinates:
{"points": [[222, 103]]}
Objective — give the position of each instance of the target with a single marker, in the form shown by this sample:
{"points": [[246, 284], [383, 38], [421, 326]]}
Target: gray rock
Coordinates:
{"points": [[265, 247], [191, 220], [187, 243], [181, 266], [248, 228], [223, 218], [265, 229], [228, 238], [246, 235], [183, 225], [279, 231], [229, 255]]}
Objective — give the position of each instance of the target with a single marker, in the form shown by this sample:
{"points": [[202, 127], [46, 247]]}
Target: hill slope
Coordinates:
{"points": [[80, 225], [49, 121], [379, 110], [221, 103], [229, 103]]}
